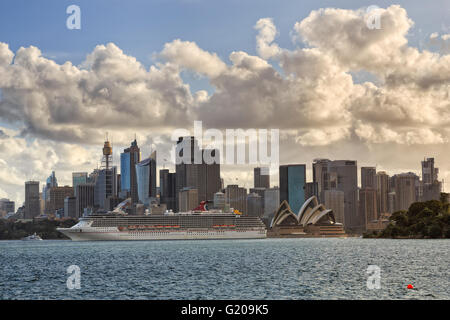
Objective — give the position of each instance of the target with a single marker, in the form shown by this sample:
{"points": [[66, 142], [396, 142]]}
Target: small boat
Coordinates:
{"points": [[32, 237]]}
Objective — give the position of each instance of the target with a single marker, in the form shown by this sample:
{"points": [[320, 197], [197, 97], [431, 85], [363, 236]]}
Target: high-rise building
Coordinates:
{"points": [[368, 178], [271, 201], [429, 172], [56, 198], [334, 200], [105, 186], [311, 189], [236, 197], [320, 176], [85, 198], [128, 160], [255, 205], [78, 178], [194, 172], [343, 176], [431, 187], [167, 187], [51, 182], [405, 190], [367, 207], [70, 209], [6, 206], [32, 206], [382, 193], [261, 177], [292, 185], [188, 199], [146, 179]]}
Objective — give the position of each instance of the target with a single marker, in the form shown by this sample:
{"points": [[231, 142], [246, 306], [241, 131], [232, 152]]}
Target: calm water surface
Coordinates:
{"points": [[226, 269]]}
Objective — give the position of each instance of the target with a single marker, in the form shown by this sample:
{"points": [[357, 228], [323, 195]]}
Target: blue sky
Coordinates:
{"points": [[142, 27]]}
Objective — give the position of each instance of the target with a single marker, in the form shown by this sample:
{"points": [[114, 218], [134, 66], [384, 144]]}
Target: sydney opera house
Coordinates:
{"points": [[312, 220]]}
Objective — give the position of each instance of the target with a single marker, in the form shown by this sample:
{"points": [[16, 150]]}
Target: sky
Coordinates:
{"points": [[313, 69]]}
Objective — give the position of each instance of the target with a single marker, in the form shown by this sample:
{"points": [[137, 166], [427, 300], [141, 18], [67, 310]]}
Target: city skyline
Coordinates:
{"points": [[375, 110]]}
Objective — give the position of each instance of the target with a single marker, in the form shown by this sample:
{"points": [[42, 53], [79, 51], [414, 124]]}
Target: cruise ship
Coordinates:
{"points": [[168, 226]]}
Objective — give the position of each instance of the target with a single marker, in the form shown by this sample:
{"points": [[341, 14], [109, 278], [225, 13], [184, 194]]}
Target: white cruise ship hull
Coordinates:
{"points": [[108, 234]]}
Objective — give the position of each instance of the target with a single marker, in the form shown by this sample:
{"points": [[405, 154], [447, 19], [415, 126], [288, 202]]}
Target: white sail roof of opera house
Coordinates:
{"points": [[311, 212]]}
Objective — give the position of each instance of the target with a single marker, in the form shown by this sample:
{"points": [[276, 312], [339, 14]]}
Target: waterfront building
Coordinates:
{"points": [[292, 185], [313, 219]]}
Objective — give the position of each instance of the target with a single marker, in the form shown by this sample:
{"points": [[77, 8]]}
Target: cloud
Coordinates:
{"points": [[308, 92]]}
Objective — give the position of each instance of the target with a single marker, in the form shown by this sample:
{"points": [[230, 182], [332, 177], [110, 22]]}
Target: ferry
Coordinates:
{"points": [[32, 237]]}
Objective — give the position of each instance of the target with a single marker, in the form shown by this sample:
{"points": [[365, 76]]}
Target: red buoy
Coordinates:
{"points": [[410, 286]]}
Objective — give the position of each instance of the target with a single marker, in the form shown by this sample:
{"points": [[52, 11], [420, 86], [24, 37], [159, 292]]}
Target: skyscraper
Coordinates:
{"points": [[105, 186], [255, 205], [78, 178], [320, 176], [292, 185], [367, 207], [167, 187], [261, 177], [405, 190], [85, 198], [368, 178], [194, 172], [382, 192], [334, 200], [343, 175], [188, 199], [271, 203], [50, 183], [236, 197], [32, 205], [146, 179], [128, 160], [431, 186], [56, 198]]}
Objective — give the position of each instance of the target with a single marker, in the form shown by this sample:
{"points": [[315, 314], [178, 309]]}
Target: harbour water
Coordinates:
{"points": [[226, 269]]}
